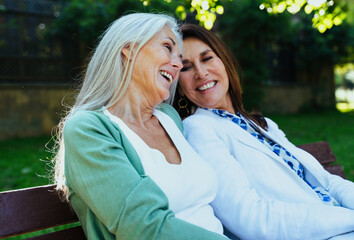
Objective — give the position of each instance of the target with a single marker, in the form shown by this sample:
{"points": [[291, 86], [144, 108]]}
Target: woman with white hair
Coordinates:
{"points": [[122, 161]]}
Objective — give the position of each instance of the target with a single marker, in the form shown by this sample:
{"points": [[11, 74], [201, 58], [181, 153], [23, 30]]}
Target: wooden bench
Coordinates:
{"points": [[323, 153], [31, 209]]}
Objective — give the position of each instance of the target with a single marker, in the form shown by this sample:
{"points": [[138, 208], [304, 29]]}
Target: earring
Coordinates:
{"points": [[183, 107]]}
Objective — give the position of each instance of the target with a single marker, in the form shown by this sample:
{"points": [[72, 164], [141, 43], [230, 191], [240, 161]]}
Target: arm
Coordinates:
{"points": [[341, 189], [129, 205], [244, 212]]}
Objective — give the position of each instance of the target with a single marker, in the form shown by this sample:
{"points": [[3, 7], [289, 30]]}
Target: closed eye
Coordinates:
{"points": [[207, 59], [168, 46], [185, 68]]}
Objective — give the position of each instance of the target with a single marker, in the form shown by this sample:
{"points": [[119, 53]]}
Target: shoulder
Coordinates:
{"points": [[201, 118], [271, 123], [171, 112], [83, 117], [274, 128], [202, 123], [90, 121]]}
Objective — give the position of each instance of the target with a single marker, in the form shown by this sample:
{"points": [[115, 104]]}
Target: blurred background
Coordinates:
{"points": [[296, 69]]}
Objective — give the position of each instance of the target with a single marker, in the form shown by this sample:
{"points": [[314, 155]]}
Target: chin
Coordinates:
{"points": [[166, 95], [165, 98]]}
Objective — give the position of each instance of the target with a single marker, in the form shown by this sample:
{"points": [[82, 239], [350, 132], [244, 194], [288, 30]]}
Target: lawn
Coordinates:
{"points": [[24, 162], [335, 127]]}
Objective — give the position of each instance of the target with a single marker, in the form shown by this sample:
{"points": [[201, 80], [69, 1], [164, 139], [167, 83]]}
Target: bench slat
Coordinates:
{"points": [[321, 151], [336, 169], [32, 209]]}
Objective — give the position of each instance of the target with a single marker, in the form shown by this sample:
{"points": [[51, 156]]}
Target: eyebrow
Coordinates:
{"points": [[205, 52], [174, 43], [202, 54]]}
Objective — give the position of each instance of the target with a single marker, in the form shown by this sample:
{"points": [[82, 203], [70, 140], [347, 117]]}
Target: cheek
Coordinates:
{"points": [[185, 80]]}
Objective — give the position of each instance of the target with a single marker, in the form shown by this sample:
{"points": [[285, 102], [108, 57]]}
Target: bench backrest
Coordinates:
{"points": [[323, 153], [32, 209]]}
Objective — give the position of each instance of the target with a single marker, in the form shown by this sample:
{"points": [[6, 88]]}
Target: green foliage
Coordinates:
{"points": [[2, 8], [253, 35], [205, 11], [249, 33], [325, 13], [336, 45], [83, 21]]}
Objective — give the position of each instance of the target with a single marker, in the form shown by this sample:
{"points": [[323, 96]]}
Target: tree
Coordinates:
{"points": [[284, 49], [326, 13], [259, 41], [81, 22]]}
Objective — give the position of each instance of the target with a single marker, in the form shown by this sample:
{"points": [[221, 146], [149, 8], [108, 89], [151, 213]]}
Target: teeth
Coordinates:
{"points": [[163, 73], [207, 86]]}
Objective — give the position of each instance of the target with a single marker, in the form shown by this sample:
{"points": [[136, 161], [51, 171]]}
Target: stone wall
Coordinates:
{"points": [[30, 110]]}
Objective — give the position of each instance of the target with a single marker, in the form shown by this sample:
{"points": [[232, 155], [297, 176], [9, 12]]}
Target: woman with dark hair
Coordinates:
{"points": [[267, 187]]}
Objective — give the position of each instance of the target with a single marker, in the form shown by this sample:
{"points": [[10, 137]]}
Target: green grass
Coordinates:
{"points": [[335, 127], [23, 163]]}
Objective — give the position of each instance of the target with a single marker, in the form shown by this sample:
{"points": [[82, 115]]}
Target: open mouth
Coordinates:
{"points": [[207, 86], [167, 76]]}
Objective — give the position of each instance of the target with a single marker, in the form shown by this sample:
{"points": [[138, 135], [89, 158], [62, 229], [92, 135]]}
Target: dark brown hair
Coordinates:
{"points": [[231, 66]]}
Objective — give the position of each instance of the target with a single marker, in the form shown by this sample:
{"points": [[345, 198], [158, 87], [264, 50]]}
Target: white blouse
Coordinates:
{"points": [[189, 186]]}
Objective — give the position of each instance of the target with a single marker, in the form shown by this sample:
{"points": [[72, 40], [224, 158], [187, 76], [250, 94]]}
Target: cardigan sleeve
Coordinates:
{"points": [[240, 207], [100, 173]]}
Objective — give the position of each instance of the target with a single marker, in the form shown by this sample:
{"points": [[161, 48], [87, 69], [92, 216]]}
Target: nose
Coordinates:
{"points": [[201, 72], [176, 62]]}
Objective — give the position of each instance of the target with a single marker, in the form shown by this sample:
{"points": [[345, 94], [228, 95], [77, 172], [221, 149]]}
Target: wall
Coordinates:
{"points": [[30, 110], [286, 99]]}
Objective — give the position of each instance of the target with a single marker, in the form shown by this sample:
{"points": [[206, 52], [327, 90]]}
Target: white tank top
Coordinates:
{"points": [[189, 186]]}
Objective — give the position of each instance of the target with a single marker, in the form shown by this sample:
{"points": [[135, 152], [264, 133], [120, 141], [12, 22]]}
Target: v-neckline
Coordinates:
{"points": [[161, 118]]}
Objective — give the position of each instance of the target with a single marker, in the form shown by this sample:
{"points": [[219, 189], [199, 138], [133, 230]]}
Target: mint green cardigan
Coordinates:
{"points": [[108, 188]]}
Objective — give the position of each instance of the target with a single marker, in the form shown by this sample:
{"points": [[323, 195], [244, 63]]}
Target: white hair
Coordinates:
{"points": [[106, 80]]}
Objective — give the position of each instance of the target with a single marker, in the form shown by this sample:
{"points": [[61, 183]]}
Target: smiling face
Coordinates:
{"points": [[203, 78], [156, 66]]}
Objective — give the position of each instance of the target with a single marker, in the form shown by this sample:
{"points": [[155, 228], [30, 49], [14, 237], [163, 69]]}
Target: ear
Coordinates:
{"points": [[126, 51]]}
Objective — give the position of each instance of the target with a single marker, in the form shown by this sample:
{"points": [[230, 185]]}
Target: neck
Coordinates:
{"points": [[133, 108]]}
